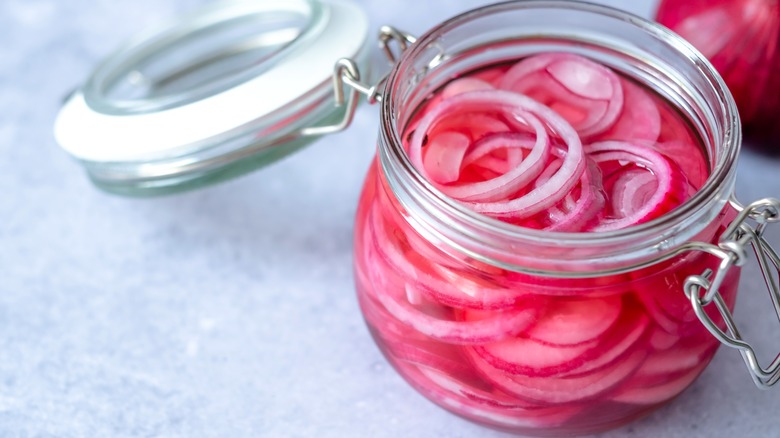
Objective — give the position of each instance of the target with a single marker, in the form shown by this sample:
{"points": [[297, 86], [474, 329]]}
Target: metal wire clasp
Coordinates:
{"points": [[346, 74], [747, 229]]}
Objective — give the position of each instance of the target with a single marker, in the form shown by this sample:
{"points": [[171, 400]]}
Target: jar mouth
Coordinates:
{"points": [[653, 237], [199, 56]]}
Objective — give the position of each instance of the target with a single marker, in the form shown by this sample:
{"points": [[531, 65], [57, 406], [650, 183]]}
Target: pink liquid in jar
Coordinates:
{"points": [[552, 142]]}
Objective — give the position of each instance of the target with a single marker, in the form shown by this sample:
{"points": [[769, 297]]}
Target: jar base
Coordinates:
{"points": [[582, 423]]}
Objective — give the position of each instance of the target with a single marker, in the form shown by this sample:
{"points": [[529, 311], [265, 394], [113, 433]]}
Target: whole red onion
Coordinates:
{"points": [[741, 38]]}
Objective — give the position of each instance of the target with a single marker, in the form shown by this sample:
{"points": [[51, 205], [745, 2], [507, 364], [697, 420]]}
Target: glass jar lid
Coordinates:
{"points": [[223, 91]]}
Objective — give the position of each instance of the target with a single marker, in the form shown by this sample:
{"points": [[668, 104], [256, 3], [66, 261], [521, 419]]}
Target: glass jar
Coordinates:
{"points": [[451, 296]]}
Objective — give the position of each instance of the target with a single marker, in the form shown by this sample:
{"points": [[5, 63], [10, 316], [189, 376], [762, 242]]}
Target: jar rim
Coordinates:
{"points": [[394, 158], [302, 18]]}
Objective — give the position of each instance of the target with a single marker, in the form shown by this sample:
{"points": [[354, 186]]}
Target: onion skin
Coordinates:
{"points": [[741, 38]]}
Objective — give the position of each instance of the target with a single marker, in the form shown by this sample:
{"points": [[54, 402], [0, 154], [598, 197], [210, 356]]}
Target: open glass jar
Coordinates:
{"points": [[535, 332], [539, 332]]}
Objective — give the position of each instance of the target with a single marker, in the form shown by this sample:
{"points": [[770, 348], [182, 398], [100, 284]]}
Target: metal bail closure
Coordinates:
{"points": [[346, 73], [212, 95], [703, 290]]}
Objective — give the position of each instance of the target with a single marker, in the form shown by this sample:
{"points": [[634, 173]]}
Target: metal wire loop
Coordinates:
{"points": [[346, 74], [388, 34], [345, 70], [732, 250]]}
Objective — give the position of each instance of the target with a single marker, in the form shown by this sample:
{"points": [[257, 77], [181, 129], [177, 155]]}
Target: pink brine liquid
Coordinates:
{"points": [[552, 142]]}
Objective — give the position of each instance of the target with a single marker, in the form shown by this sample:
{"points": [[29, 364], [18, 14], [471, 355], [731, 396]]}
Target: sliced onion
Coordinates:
{"points": [[582, 211], [499, 157], [473, 125], [631, 190], [501, 325], [640, 119], [517, 177], [667, 189], [432, 278], [464, 85], [575, 321], [444, 156], [532, 358], [522, 108], [624, 338], [493, 407], [558, 390], [583, 77], [659, 392], [688, 157], [397, 298], [588, 95]]}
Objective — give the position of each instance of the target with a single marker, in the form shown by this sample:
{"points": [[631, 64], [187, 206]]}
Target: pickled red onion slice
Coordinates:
{"points": [[444, 156], [661, 340], [575, 321], [660, 392], [515, 178], [495, 406], [574, 388], [688, 157], [640, 118], [583, 77], [582, 211], [480, 152], [500, 325], [433, 280], [586, 94], [464, 85], [665, 374], [667, 187], [473, 125], [524, 111], [533, 358], [622, 339]]}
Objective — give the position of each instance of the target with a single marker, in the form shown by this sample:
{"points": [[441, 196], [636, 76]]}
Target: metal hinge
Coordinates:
{"points": [[746, 231], [346, 74]]}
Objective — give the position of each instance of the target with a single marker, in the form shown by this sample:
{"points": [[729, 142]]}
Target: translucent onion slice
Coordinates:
{"points": [[559, 390], [668, 186], [433, 279], [586, 94], [640, 118], [515, 178], [525, 111], [444, 156], [502, 324], [460, 86], [582, 211], [575, 321]]}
